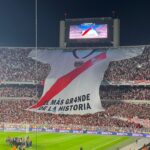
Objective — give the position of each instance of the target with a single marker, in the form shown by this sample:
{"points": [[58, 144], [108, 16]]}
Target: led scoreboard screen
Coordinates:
{"points": [[93, 30], [88, 31]]}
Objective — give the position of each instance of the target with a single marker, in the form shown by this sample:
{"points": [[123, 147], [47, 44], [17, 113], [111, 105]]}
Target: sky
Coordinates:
{"points": [[17, 20]]}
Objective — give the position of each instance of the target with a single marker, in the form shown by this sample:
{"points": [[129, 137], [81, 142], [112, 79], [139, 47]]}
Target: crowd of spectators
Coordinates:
{"points": [[15, 65], [15, 112], [127, 110], [107, 92], [136, 68], [126, 92], [127, 71], [21, 91]]}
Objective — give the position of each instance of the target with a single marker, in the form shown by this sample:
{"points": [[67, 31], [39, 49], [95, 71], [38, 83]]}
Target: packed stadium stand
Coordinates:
{"points": [[124, 89], [137, 68], [15, 65]]}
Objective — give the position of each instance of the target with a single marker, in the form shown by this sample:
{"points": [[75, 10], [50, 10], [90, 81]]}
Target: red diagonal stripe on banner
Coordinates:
{"points": [[64, 81]]}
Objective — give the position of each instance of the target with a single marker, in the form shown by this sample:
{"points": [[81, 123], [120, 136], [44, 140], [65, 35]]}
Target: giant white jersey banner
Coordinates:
{"points": [[72, 87]]}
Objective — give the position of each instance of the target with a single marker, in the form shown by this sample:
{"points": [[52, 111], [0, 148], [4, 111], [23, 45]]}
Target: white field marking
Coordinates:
{"points": [[77, 146], [99, 146]]}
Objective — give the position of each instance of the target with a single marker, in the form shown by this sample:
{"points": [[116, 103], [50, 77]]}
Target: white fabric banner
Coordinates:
{"points": [[72, 87]]}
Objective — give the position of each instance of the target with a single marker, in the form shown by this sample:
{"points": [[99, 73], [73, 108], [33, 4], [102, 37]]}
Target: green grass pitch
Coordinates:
{"points": [[61, 141]]}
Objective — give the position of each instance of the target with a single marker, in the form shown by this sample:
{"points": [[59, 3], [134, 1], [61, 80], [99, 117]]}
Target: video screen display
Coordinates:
{"points": [[88, 31]]}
